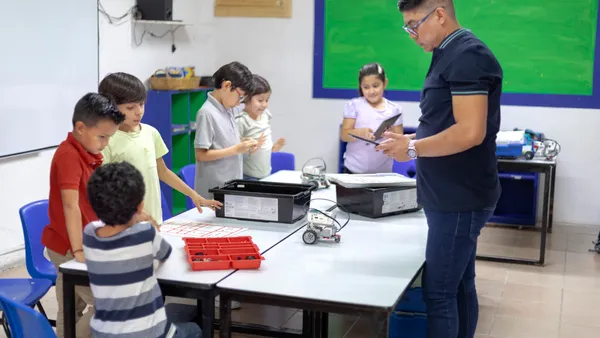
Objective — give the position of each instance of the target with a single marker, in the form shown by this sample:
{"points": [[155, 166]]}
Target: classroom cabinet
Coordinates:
{"points": [[173, 114]]}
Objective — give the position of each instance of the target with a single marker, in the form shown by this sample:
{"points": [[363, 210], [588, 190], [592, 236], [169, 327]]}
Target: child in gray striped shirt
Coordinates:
{"points": [[120, 251]]}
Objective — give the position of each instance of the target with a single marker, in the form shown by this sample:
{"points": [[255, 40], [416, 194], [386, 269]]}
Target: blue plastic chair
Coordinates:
{"points": [[34, 217], [25, 321], [282, 161], [166, 212], [26, 292], [408, 169], [188, 175]]}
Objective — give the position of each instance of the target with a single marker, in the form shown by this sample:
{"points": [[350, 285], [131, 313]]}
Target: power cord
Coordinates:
{"points": [[134, 13], [315, 158], [551, 148], [335, 205], [113, 20]]}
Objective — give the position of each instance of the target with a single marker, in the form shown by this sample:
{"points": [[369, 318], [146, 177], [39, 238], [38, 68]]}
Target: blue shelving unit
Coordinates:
{"points": [[173, 114]]}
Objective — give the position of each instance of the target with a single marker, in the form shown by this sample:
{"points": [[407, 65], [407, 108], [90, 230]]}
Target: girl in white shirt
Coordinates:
{"points": [[255, 123]]}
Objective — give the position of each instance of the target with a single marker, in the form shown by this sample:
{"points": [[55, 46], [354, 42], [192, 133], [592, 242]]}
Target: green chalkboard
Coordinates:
{"points": [[544, 46]]}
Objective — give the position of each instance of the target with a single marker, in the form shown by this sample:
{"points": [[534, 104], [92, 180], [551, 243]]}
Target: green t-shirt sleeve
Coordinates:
{"points": [[160, 147]]}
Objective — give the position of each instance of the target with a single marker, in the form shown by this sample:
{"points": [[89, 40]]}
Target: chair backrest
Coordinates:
{"points": [[166, 212], [188, 175], [25, 321], [282, 161], [408, 169], [34, 217]]}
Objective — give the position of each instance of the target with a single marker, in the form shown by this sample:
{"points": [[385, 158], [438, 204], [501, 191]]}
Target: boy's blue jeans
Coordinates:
{"points": [[449, 277]]}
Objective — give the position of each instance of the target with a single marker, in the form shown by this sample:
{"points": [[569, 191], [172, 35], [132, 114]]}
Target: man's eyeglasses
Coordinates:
{"points": [[413, 29]]}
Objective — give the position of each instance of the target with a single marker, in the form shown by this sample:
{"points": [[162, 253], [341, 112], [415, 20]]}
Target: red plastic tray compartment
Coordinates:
{"points": [[203, 252], [241, 239], [217, 240], [245, 261], [210, 262], [194, 240], [238, 251]]}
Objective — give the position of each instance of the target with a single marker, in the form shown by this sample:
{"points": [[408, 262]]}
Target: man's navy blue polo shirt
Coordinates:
{"points": [[467, 181]]}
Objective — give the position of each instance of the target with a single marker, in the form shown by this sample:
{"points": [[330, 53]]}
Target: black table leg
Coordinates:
{"points": [[208, 316], [68, 306], [551, 211], [318, 321], [307, 324], [324, 325], [224, 316], [382, 325], [545, 215]]}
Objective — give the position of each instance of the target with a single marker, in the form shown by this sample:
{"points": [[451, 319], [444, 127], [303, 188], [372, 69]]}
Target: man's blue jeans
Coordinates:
{"points": [[449, 277]]}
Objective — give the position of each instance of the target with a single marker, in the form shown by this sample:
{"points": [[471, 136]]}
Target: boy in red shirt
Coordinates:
{"points": [[95, 119]]}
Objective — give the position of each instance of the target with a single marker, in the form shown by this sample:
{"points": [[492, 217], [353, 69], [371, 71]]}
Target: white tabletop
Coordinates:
{"points": [[534, 161], [372, 266], [176, 268]]}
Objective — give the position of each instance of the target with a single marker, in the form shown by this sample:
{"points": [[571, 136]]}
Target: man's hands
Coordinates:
{"points": [[245, 145], [200, 201], [396, 146], [278, 144]]}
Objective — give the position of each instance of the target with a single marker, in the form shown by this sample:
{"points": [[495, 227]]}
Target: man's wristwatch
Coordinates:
{"points": [[412, 151]]}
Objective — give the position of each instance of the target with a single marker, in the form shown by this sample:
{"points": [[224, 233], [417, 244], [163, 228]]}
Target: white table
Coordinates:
{"points": [[367, 272], [174, 275], [382, 257]]}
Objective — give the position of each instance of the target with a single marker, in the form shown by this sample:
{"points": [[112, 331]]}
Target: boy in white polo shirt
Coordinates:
{"points": [[218, 146], [141, 144]]}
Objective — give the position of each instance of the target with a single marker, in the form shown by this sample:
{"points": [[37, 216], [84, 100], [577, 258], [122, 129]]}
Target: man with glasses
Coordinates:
{"points": [[455, 149]]}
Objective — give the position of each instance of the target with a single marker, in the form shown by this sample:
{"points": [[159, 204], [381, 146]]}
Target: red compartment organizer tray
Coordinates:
{"points": [[222, 253]]}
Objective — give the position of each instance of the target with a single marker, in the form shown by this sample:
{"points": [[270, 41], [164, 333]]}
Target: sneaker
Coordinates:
{"points": [[234, 305]]}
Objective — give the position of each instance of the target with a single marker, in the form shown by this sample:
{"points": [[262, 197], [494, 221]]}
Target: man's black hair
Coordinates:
{"points": [[92, 108], [115, 191], [409, 5], [123, 87], [260, 85], [239, 75]]}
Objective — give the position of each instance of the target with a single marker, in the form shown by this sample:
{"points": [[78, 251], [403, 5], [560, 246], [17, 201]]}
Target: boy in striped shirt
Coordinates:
{"points": [[120, 251]]}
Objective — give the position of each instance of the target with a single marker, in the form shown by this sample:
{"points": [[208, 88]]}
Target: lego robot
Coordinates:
{"points": [[315, 175], [321, 225]]}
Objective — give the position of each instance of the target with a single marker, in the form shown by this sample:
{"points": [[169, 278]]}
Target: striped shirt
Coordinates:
{"points": [[128, 302]]}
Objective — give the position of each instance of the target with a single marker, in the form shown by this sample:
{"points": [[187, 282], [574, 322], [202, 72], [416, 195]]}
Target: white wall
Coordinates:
{"points": [[282, 51], [25, 179]]}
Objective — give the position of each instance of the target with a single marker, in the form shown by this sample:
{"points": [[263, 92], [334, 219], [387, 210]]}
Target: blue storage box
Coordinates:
{"points": [[408, 326], [412, 301], [518, 201]]}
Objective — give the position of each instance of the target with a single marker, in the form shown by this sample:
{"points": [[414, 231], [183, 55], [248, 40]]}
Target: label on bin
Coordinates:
{"points": [[399, 200], [259, 208]]}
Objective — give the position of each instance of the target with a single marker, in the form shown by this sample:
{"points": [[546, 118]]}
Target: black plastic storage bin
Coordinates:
{"points": [[263, 201], [369, 202]]}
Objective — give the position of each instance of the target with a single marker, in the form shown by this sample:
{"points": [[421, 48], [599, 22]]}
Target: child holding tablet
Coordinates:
{"points": [[362, 117]]}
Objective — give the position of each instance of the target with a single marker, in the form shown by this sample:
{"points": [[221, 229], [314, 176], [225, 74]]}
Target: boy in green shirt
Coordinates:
{"points": [[141, 144]]}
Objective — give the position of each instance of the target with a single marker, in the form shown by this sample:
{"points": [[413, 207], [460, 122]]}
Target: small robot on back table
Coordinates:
{"points": [[315, 175], [321, 225]]}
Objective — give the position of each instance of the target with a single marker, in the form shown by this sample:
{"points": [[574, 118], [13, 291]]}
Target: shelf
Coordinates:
{"points": [[161, 22]]}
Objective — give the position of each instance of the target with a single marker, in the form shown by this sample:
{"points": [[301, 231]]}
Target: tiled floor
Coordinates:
{"points": [[560, 300]]}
